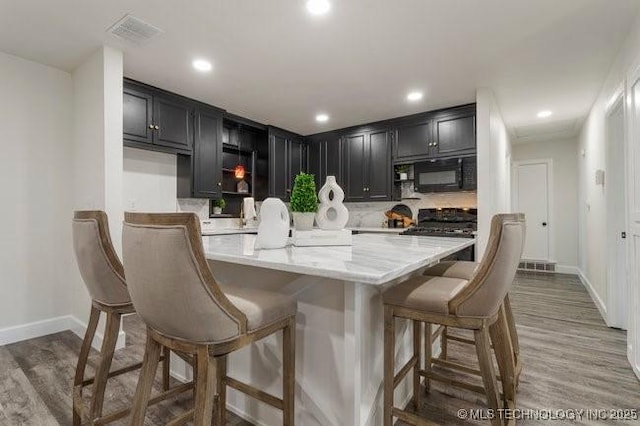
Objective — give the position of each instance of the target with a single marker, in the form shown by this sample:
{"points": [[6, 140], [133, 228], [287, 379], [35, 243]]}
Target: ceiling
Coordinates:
{"points": [[276, 63]]}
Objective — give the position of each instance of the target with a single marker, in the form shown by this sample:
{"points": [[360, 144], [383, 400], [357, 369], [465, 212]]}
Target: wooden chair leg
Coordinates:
{"points": [[443, 344], [416, 368], [166, 369], [427, 355], [205, 387], [513, 332], [94, 317], [221, 390], [483, 349], [145, 382], [288, 371], [111, 331], [389, 354], [503, 350]]}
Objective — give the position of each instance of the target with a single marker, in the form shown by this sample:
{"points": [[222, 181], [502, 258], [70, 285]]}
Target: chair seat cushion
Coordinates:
{"points": [[261, 307], [453, 269], [425, 293]]}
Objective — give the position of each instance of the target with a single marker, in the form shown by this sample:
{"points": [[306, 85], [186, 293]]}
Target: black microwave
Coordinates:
{"points": [[448, 175]]}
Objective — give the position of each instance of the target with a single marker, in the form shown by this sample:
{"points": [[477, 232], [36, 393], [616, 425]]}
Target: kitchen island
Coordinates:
{"points": [[339, 339]]}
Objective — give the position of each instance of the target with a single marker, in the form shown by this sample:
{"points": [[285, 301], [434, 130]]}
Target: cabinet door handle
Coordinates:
{"points": [[156, 127], [219, 183], [151, 126], [435, 144]]}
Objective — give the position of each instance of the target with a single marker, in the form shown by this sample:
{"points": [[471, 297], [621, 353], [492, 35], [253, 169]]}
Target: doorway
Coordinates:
{"points": [[616, 202], [532, 181]]}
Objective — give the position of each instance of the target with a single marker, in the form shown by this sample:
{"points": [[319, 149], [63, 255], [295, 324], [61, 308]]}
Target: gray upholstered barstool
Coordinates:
{"points": [[474, 304], [466, 270], [175, 294], [103, 275]]}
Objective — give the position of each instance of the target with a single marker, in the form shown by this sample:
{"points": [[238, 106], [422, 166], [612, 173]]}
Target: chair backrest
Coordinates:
{"points": [[495, 274], [98, 262], [170, 282]]}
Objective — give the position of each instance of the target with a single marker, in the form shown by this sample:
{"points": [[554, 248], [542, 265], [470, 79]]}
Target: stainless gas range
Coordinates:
{"points": [[448, 222]]}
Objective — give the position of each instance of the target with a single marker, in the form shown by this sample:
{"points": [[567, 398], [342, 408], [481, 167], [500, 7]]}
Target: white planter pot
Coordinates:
{"points": [[303, 221], [217, 210], [404, 176]]}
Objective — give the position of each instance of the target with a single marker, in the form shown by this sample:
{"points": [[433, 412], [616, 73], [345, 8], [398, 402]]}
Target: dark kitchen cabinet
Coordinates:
{"points": [[156, 120], [287, 158], [200, 174], [325, 157], [367, 165], [454, 133], [413, 138], [443, 133]]}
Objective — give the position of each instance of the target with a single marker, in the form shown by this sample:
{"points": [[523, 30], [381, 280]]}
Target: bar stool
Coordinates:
{"points": [[474, 304], [175, 294], [466, 270], [103, 275]]}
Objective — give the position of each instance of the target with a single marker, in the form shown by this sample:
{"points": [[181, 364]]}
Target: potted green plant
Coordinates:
{"points": [[218, 205], [304, 201], [402, 171]]}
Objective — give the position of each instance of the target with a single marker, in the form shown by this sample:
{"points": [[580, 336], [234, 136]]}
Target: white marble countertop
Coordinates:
{"points": [[228, 231], [373, 258]]}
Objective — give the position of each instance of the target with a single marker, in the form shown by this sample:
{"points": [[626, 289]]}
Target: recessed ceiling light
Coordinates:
{"points": [[322, 118], [544, 114], [318, 7], [414, 96], [202, 65]]}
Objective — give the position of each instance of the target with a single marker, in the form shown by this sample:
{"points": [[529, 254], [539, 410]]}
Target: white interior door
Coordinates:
{"points": [[531, 197], [616, 219], [633, 245]]}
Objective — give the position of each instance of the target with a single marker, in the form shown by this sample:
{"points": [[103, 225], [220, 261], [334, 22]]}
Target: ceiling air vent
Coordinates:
{"points": [[134, 30]]}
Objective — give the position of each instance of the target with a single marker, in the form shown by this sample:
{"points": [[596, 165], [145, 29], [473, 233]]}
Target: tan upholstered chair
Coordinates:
{"points": [[474, 304], [466, 270], [175, 294], [103, 275]]}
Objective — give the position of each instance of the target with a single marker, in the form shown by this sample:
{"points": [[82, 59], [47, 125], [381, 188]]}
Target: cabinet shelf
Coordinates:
{"points": [[234, 148]]}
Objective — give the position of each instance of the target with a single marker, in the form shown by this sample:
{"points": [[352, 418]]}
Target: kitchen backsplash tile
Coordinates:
{"points": [[372, 214], [194, 205]]}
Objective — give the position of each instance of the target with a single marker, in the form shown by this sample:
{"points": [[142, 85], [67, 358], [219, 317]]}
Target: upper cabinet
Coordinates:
{"points": [[287, 158], [442, 133], [454, 132], [157, 120], [367, 165], [325, 157], [200, 175]]}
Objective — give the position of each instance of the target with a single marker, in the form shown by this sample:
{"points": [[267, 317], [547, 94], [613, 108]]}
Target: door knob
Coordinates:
{"points": [[544, 223]]}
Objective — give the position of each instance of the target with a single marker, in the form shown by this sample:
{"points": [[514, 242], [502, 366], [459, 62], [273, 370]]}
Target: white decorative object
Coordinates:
{"points": [[303, 221], [273, 231], [320, 237], [217, 210], [332, 214], [249, 209], [404, 176]]}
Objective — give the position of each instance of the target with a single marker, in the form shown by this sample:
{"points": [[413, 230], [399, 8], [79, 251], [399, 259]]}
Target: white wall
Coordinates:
{"points": [[149, 181], [564, 193], [592, 197], [35, 176], [97, 149], [494, 165]]}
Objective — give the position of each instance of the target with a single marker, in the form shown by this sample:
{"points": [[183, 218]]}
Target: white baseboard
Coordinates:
{"points": [[566, 269], [35, 329], [79, 328], [594, 296]]}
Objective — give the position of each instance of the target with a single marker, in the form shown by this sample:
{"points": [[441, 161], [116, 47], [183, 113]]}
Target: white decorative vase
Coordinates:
{"points": [[332, 214], [303, 221], [273, 231]]}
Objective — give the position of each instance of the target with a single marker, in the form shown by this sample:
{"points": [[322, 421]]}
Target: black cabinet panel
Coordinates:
{"points": [[379, 166], [296, 153], [137, 117], [325, 158], [173, 119], [207, 159], [355, 149], [278, 174], [413, 138], [455, 134]]}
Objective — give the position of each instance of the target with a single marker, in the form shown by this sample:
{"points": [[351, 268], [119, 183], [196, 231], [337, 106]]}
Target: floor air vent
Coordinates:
{"points": [[134, 30], [538, 266]]}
